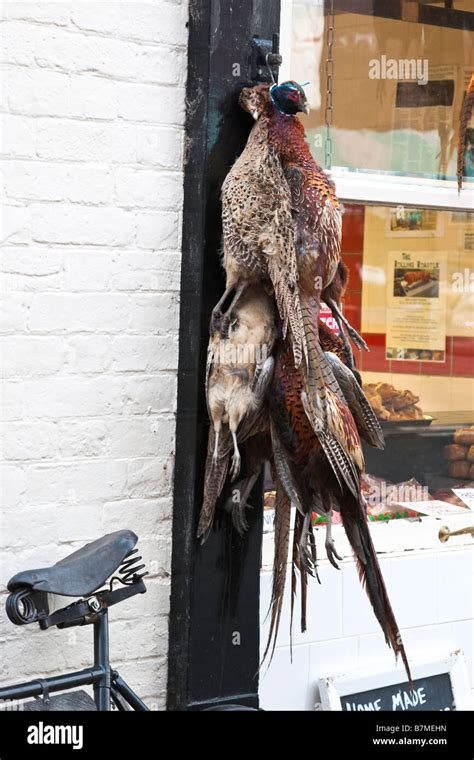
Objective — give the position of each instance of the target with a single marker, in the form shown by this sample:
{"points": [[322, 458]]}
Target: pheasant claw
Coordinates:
{"points": [[330, 546], [236, 459]]}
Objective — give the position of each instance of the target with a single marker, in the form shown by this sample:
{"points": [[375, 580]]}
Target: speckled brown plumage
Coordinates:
{"points": [[317, 222], [239, 367], [303, 462], [282, 222], [258, 236], [316, 210]]}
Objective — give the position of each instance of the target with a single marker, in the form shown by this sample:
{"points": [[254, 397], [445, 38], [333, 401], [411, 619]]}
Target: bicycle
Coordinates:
{"points": [[81, 574]]}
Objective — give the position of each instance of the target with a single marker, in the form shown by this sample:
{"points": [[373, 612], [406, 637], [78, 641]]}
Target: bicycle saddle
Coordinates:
{"points": [[83, 571]]}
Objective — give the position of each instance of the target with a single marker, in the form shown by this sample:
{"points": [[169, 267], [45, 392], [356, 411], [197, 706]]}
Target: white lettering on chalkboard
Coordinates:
{"points": [[403, 700], [367, 707]]}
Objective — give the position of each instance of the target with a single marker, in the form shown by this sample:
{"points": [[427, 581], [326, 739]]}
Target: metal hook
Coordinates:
{"points": [[269, 68], [264, 55]]}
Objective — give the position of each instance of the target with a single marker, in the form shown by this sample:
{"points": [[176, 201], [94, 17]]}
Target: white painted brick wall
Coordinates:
{"points": [[92, 135]]}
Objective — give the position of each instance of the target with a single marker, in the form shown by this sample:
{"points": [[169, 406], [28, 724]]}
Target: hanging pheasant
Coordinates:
{"points": [[289, 99], [258, 236], [317, 225], [466, 113], [282, 234], [239, 370], [316, 222], [306, 477]]}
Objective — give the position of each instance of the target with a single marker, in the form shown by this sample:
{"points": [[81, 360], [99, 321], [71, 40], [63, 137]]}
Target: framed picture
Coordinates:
{"points": [[404, 222], [460, 217], [469, 240]]}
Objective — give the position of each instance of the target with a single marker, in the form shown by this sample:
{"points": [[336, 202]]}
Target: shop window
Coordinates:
{"points": [[408, 235], [411, 295], [400, 73]]}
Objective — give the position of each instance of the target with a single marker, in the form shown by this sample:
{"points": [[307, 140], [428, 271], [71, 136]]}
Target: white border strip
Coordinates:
{"points": [[405, 191]]}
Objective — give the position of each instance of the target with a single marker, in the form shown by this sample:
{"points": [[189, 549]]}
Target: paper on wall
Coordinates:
{"points": [[466, 495], [434, 507]]}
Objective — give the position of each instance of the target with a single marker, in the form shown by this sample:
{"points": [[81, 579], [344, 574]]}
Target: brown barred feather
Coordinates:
{"points": [[236, 385], [357, 530], [280, 560], [214, 481], [258, 233], [326, 469]]}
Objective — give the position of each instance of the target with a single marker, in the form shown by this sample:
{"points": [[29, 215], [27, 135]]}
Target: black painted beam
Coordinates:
{"points": [[214, 616]]}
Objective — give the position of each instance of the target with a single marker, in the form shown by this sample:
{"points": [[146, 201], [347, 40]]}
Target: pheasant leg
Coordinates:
{"points": [[330, 546], [306, 548], [357, 339], [215, 454], [238, 507], [220, 320], [235, 469]]}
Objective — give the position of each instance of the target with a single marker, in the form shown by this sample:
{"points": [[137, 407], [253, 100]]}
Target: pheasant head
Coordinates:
{"points": [[289, 98], [255, 100]]}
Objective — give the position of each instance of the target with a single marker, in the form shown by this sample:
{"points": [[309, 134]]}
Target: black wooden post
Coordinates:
{"points": [[214, 618]]}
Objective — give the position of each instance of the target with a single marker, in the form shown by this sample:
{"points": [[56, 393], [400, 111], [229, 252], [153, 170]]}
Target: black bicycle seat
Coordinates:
{"points": [[82, 572]]}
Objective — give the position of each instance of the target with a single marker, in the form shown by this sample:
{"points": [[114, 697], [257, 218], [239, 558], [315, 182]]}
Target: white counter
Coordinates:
{"points": [[431, 587]]}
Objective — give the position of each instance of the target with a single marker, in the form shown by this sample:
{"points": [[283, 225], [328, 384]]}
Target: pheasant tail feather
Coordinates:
{"points": [[282, 540], [357, 530], [283, 276], [318, 375], [216, 473]]}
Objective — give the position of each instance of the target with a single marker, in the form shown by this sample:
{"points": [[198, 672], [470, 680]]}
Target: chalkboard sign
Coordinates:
{"points": [[442, 685], [433, 693]]}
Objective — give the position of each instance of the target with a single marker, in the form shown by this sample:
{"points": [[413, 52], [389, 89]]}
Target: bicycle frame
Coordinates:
{"points": [[107, 683]]}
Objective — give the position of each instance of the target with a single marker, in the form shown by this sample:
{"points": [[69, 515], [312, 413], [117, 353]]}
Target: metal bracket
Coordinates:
{"points": [[265, 59], [85, 611], [445, 534], [46, 699]]}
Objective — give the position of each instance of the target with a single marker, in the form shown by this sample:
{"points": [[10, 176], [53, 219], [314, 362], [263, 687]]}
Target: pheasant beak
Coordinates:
{"points": [[306, 108], [255, 115]]}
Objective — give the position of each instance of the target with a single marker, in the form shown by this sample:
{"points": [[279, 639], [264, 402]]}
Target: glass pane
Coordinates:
{"points": [[411, 294], [398, 84]]}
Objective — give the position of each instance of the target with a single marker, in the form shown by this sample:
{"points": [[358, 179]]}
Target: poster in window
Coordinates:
{"points": [[416, 306], [469, 241], [413, 222]]}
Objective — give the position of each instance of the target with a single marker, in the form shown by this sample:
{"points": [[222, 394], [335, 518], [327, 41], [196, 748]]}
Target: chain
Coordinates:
{"points": [[329, 71]]}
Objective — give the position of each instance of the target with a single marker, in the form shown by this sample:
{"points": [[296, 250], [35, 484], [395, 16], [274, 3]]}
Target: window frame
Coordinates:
{"points": [[386, 190], [383, 189]]}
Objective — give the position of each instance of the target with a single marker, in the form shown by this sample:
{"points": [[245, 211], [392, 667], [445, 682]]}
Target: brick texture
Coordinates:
{"points": [[92, 135]]}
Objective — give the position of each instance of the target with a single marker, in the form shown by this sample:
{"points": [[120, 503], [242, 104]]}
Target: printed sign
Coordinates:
{"points": [[466, 495], [433, 508], [325, 315], [416, 301]]}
